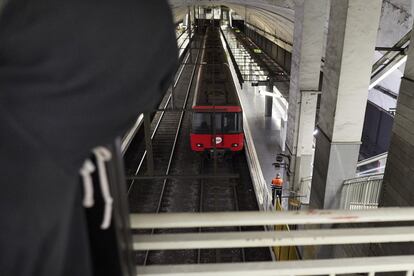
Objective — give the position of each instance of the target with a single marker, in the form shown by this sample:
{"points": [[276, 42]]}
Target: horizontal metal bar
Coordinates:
{"points": [[308, 267], [273, 238], [362, 178], [183, 176], [252, 218], [362, 182], [394, 49], [372, 159]]}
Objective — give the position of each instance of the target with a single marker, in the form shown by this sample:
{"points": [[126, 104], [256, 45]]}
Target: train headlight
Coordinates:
{"points": [[235, 145], [199, 145]]}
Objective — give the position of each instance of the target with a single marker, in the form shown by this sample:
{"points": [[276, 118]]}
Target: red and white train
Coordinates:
{"points": [[217, 123]]}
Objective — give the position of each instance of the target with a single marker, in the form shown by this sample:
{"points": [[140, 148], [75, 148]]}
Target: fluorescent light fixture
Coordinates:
{"points": [[386, 74]]}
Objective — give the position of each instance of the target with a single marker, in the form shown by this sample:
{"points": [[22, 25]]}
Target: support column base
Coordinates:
{"points": [[334, 162]]}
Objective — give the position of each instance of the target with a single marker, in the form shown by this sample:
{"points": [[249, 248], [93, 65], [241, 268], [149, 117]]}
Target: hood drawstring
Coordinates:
{"points": [[87, 169], [102, 155]]}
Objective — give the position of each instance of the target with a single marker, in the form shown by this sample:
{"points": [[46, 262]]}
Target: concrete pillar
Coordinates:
{"points": [[269, 99], [310, 20], [398, 188], [352, 31]]}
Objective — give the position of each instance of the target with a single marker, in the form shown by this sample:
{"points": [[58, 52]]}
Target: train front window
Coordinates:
{"points": [[224, 122], [232, 122], [201, 122]]}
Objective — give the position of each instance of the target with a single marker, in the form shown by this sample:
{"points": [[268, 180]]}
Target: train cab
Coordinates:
{"points": [[220, 128], [217, 123]]}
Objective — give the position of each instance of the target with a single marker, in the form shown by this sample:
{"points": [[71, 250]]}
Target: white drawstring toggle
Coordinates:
{"points": [[103, 155], [87, 169]]}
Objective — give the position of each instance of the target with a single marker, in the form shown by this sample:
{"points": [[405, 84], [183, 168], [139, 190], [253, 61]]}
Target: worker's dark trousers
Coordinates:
{"points": [[276, 193]]}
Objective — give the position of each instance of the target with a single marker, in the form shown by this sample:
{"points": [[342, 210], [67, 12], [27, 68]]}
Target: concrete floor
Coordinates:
{"points": [[266, 132]]}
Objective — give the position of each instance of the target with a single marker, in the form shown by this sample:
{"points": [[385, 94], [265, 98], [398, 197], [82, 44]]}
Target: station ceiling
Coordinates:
{"points": [[273, 16], [276, 17]]}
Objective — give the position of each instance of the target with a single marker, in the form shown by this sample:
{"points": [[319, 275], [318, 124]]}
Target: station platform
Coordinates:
{"points": [[265, 131], [266, 134]]}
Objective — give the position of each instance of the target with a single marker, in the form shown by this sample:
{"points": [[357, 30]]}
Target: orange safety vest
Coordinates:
{"points": [[278, 182]]}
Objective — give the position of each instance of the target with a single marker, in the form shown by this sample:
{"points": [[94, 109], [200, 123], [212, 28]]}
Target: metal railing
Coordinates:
{"points": [[373, 165], [361, 192], [354, 235]]}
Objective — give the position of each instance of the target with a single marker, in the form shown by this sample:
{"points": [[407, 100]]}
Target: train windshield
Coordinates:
{"points": [[223, 122]]}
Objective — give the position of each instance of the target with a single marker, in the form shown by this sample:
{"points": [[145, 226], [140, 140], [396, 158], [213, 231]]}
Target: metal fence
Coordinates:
{"points": [[353, 235], [372, 165], [361, 192]]}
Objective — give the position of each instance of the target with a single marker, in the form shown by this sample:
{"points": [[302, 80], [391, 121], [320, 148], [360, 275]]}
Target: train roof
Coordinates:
{"points": [[215, 83]]}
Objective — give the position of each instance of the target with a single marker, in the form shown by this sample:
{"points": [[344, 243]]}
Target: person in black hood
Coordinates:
{"points": [[73, 75]]}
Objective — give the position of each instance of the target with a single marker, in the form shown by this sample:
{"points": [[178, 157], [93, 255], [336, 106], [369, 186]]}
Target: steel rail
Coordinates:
{"points": [[158, 123], [200, 208], [237, 209], [174, 146]]}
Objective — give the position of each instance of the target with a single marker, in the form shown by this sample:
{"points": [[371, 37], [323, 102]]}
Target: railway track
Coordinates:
{"points": [[220, 196], [147, 196], [173, 155], [165, 129], [136, 153]]}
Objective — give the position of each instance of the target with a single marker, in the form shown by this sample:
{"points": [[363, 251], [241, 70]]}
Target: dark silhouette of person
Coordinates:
{"points": [[73, 75], [204, 126]]}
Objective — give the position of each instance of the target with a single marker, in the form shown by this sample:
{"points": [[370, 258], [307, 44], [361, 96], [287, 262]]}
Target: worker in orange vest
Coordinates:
{"points": [[277, 184]]}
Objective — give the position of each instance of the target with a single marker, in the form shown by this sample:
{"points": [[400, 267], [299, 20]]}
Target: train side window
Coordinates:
{"points": [[240, 121]]}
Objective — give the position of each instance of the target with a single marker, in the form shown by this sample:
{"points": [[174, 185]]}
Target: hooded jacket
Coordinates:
{"points": [[73, 75]]}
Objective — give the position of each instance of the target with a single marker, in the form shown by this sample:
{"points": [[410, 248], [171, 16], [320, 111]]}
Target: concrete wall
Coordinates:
{"points": [[398, 187], [279, 54], [396, 20]]}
